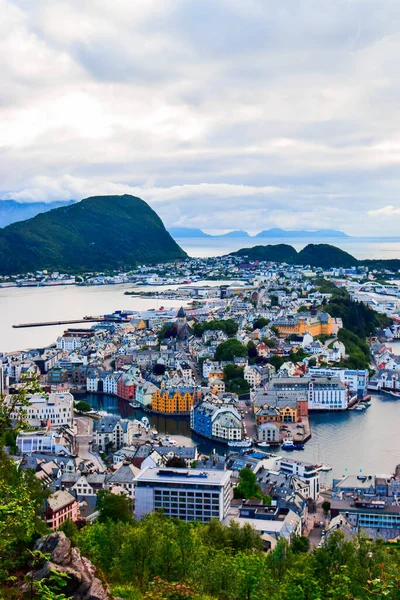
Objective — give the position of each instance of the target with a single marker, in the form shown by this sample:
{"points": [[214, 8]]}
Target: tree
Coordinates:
{"points": [[251, 349], [159, 369], [16, 405], [312, 362], [177, 462], [83, 406], [248, 487], [300, 544], [326, 507], [229, 349], [114, 507], [260, 323]]}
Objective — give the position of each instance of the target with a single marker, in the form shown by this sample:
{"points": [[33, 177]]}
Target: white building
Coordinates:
{"points": [[68, 343], [304, 471], [113, 431], [56, 408], [42, 441], [269, 432], [187, 494], [253, 376], [110, 383]]}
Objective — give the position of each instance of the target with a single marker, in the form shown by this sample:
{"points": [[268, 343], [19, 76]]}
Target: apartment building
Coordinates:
{"points": [[56, 408], [190, 495]]}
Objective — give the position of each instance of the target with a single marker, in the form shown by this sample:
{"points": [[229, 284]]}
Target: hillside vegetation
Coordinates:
{"points": [[99, 233], [325, 256]]}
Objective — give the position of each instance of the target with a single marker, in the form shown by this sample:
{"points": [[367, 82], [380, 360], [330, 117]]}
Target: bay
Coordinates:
{"points": [[352, 442]]}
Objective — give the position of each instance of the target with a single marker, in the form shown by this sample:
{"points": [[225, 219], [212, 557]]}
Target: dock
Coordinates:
{"points": [[52, 323]]}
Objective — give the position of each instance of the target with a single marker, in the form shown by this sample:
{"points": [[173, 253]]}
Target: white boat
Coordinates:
{"points": [[134, 404], [361, 407], [146, 422], [325, 468], [240, 444]]}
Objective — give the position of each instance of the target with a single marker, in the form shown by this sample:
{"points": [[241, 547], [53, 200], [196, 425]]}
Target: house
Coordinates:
{"points": [[269, 432], [113, 431], [60, 507], [124, 478]]}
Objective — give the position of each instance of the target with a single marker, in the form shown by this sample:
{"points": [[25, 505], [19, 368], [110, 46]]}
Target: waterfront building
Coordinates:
{"points": [[144, 393], [177, 400], [216, 421], [321, 393], [113, 431], [356, 380], [54, 408], [126, 386], [268, 432], [190, 495]]}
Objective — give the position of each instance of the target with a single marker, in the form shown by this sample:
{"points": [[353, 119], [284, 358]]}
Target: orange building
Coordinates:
{"points": [[177, 401], [315, 324]]}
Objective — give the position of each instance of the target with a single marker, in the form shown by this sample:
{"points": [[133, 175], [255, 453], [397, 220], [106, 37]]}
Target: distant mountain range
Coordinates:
{"points": [[187, 232], [12, 211], [97, 234]]}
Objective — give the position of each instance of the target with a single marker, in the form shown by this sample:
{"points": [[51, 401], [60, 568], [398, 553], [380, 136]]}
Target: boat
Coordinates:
{"points": [[318, 466], [240, 444], [392, 394], [361, 407], [290, 445], [326, 468], [366, 399], [134, 404], [146, 422]]}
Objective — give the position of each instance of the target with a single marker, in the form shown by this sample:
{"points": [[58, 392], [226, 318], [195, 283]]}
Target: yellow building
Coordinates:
{"points": [[286, 413], [318, 324], [174, 401]]}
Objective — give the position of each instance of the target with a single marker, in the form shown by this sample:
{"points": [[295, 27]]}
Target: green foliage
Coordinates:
{"points": [[15, 404], [228, 326], [21, 500], [99, 233], [356, 348], [83, 406], [327, 287], [326, 507], [251, 349], [229, 349], [111, 506], [167, 332], [356, 316], [260, 323], [297, 356], [315, 255], [70, 529], [249, 488]]}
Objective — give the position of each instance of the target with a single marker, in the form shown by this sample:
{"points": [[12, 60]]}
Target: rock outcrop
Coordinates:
{"points": [[82, 583]]}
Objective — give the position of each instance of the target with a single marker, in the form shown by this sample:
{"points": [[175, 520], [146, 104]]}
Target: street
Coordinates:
{"points": [[84, 435]]}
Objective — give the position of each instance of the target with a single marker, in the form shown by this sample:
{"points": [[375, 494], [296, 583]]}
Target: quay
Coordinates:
{"points": [[69, 322]]}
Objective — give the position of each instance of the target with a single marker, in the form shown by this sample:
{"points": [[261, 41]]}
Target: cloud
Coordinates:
{"points": [[219, 113], [385, 211]]}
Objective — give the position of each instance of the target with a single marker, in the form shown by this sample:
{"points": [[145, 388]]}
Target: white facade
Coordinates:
{"points": [[56, 408], [227, 424], [69, 343], [253, 376], [304, 471], [269, 432], [43, 441], [110, 384], [187, 494]]}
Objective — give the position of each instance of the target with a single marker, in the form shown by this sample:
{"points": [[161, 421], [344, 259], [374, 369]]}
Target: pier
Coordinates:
{"points": [[69, 322]]}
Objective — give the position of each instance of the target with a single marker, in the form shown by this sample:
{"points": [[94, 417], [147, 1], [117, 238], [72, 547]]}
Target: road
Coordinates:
{"points": [[248, 419], [84, 435]]}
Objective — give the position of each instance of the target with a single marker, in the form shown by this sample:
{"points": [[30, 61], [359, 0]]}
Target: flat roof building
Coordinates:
{"points": [[187, 494]]}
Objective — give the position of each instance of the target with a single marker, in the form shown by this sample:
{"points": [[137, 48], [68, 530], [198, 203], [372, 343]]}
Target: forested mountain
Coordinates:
{"points": [[98, 233]]}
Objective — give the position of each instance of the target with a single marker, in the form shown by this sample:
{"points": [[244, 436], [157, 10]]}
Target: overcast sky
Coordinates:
{"points": [[221, 114]]}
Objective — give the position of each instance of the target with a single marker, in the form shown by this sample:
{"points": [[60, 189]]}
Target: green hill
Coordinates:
{"points": [[316, 255], [325, 256], [273, 253], [98, 233]]}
